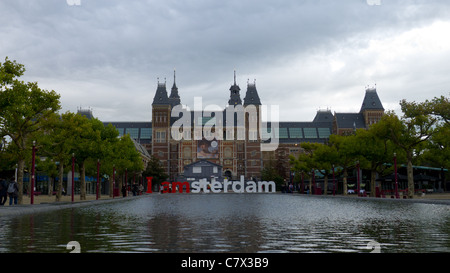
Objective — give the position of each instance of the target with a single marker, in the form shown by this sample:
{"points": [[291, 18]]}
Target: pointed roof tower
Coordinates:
{"points": [[235, 97], [371, 101], [251, 96], [174, 97], [161, 95]]}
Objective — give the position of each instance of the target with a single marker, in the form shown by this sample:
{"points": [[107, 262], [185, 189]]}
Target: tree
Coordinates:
{"points": [[409, 132], [126, 158], [345, 148], [325, 157], [305, 160], [374, 150], [23, 109], [155, 170]]}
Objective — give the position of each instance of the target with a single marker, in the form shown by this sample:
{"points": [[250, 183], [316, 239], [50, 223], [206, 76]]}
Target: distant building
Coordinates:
{"points": [[237, 157]]}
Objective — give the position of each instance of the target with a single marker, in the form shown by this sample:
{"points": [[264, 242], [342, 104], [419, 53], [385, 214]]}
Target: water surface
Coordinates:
{"points": [[254, 223]]}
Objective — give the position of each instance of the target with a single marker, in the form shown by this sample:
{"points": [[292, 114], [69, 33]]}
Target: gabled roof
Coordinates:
{"points": [[371, 101]]}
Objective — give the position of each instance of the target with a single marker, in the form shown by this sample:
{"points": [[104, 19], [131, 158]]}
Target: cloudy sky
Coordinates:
{"points": [[305, 55]]}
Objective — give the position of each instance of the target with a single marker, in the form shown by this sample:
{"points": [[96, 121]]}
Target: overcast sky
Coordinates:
{"points": [[305, 55]]}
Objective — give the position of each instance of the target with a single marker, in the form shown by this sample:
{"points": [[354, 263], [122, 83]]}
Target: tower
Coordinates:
{"points": [[174, 97], [161, 109], [235, 97], [253, 156], [371, 108]]}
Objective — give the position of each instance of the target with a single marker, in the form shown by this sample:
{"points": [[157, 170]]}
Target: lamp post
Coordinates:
{"points": [[126, 182], [395, 176], [302, 189], [33, 171], [98, 177], [114, 179], [313, 181], [334, 183], [73, 176], [357, 170]]}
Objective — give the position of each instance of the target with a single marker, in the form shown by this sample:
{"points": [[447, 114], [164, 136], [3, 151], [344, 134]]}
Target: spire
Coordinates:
{"points": [[174, 98], [235, 97]]}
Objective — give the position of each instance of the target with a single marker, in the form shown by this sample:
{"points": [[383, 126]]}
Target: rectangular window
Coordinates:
{"points": [[120, 130], [215, 170], [283, 133], [324, 132], [146, 133], [266, 133], [295, 132], [310, 132], [196, 169], [160, 137], [134, 132]]}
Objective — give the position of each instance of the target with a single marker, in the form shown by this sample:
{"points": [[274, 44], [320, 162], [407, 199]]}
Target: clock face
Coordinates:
{"points": [[214, 144]]}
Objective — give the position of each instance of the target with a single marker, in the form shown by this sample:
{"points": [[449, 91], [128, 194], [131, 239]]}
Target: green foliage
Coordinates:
{"points": [[155, 170]]}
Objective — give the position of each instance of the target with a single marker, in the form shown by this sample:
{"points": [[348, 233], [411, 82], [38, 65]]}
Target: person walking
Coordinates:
{"points": [[13, 192], [3, 192], [124, 191]]}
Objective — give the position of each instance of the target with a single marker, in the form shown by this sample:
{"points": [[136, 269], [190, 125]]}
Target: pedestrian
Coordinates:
{"points": [[3, 192], [141, 189], [134, 189], [13, 192], [124, 191]]}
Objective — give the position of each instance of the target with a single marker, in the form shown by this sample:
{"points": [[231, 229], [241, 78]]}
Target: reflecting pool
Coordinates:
{"points": [[254, 223]]}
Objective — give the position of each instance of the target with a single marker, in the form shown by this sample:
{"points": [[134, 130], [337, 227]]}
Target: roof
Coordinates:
{"points": [[371, 100], [349, 120], [202, 162], [138, 130], [141, 149], [251, 97], [324, 116], [161, 95], [297, 132]]}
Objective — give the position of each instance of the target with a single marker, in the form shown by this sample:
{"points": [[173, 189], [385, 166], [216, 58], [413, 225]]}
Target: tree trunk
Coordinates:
{"points": [[111, 187], [50, 186], [310, 185], [325, 185], [60, 183], [410, 176], [373, 174], [344, 182], [20, 166], [82, 182]]}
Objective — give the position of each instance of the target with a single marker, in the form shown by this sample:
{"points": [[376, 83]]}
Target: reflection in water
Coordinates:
{"points": [[234, 222]]}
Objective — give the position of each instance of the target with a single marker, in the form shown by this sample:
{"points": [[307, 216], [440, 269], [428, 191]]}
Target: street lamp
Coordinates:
{"points": [[395, 175], [33, 171], [73, 176], [98, 176], [114, 179], [334, 183], [357, 165]]}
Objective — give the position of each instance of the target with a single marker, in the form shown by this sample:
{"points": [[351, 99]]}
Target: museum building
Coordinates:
{"points": [[196, 157]]}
